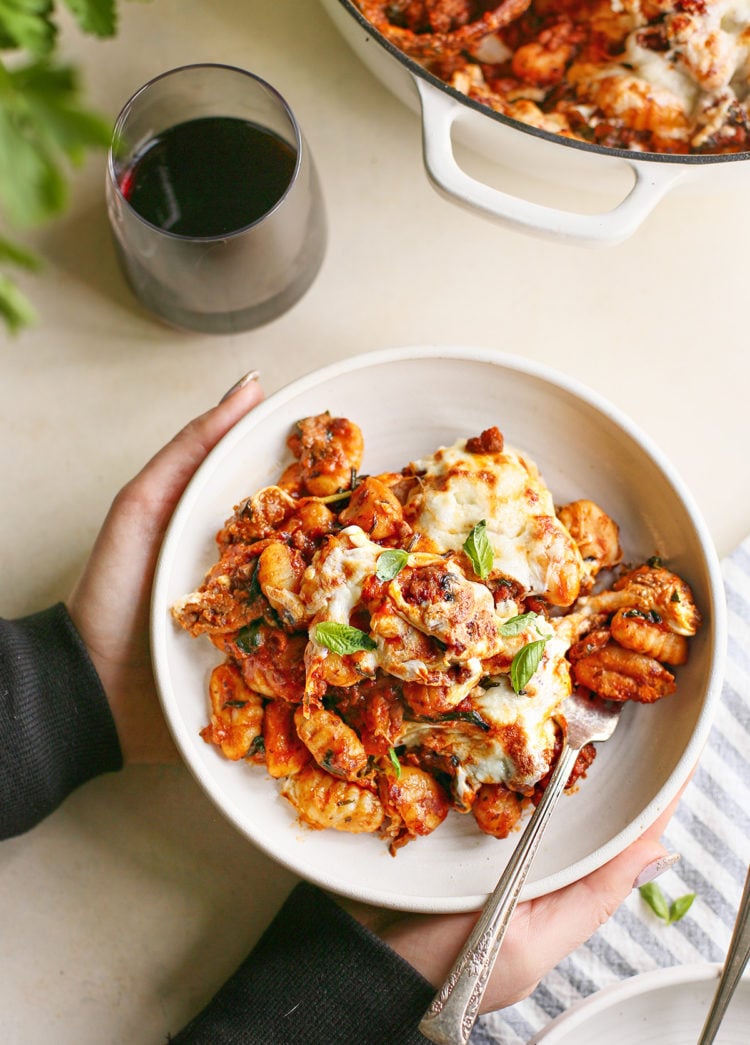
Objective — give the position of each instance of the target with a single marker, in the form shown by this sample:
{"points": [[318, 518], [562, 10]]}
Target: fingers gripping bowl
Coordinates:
{"points": [[583, 448]]}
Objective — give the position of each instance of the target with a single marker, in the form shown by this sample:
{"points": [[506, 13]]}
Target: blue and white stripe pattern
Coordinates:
{"points": [[711, 831]]}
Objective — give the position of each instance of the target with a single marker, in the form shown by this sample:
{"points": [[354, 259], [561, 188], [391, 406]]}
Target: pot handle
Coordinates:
{"points": [[439, 112]]}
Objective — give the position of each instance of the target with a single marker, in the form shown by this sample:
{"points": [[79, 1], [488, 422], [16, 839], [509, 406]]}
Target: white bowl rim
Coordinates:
{"points": [[621, 992], [717, 622]]}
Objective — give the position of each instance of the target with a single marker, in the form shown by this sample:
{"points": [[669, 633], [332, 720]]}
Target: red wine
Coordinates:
{"points": [[209, 177]]}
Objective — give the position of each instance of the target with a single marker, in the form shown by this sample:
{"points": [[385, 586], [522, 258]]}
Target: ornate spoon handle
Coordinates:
{"points": [[737, 956], [454, 1010]]}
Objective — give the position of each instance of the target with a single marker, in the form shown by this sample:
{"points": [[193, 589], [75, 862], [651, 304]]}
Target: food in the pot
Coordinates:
{"points": [[400, 645], [664, 76]]}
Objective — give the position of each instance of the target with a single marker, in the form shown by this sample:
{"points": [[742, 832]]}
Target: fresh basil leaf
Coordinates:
{"points": [[394, 761], [525, 663], [680, 907], [477, 546], [390, 563], [655, 898], [249, 637], [342, 638], [515, 625]]}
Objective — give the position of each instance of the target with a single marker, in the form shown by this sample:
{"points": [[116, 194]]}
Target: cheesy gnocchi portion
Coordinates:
{"points": [[397, 647], [665, 76]]}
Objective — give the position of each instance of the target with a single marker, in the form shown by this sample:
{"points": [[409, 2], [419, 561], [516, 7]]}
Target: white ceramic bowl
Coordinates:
{"points": [[408, 402], [664, 1007]]}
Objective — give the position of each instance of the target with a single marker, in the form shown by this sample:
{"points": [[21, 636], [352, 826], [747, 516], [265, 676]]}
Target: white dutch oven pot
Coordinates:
{"points": [[447, 115]]}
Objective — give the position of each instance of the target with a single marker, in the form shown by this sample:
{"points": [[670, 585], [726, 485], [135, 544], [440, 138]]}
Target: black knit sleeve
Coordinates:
{"points": [[316, 977], [56, 729]]}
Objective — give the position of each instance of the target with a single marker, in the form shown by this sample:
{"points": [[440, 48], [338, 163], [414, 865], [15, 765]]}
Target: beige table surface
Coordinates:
{"points": [[126, 909]]}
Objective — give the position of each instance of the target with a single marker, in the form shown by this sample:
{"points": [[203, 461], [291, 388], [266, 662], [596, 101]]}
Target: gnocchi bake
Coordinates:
{"points": [[398, 646], [664, 76]]}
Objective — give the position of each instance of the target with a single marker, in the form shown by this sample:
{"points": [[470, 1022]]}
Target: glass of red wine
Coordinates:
{"points": [[213, 200]]}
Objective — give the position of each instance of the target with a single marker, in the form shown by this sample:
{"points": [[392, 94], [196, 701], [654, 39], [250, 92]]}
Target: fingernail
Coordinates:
{"points": [[251, 375], [655, 868]]}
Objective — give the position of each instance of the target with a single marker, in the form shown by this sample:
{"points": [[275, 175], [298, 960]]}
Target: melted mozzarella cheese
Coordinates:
{"points": [[452, 609], [459, 489], [518, 756], [707, 52], [332, 585]]}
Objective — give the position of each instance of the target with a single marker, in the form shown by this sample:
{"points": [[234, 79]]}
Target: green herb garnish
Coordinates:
{"points": [[477, 546], [463, 716], [525, 663], [249, 638], [258, 747], [341, 638], [390, 563], [515, 625], [394, 761], [657, 901]]}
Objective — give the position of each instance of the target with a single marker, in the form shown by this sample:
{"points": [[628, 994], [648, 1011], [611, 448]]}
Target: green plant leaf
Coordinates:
{"points": [[390, 563], [41, 125], [477, 546], [525, 663], [394, 761], [50, 97], [13, 254], [28, 25], [15, 308], [342, 638], [32, 187], [97, 17]]}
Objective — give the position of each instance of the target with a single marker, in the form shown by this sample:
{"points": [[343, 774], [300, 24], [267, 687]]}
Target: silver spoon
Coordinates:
{"points": [[453, 1012], [734, 966]]}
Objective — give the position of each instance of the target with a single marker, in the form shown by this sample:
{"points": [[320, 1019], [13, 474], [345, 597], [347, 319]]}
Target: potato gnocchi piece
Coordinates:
{"points": [[334, 745], [415, 802], [285, 753], [322, 801], [236, 714]]}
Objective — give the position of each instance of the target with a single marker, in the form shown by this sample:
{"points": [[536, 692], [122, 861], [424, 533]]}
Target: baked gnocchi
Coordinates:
{"points": [[398, 648]]}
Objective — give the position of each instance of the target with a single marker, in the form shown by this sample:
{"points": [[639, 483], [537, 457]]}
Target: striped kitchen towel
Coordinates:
{"points": [[711, 831]]}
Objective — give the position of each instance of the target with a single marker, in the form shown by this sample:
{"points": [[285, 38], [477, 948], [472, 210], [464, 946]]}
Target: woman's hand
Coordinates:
{"points": [[542, 931], [110, 603]]}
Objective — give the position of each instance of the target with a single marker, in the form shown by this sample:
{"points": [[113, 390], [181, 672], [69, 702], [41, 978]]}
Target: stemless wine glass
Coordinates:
{"points": [[213, 199]]}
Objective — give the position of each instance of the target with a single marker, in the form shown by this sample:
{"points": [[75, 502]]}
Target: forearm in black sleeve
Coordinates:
{"points": [[316, 977], [56, 729]]}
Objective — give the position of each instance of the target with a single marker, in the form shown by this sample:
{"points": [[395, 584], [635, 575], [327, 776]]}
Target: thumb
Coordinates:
{"points": [[554, 925]]}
